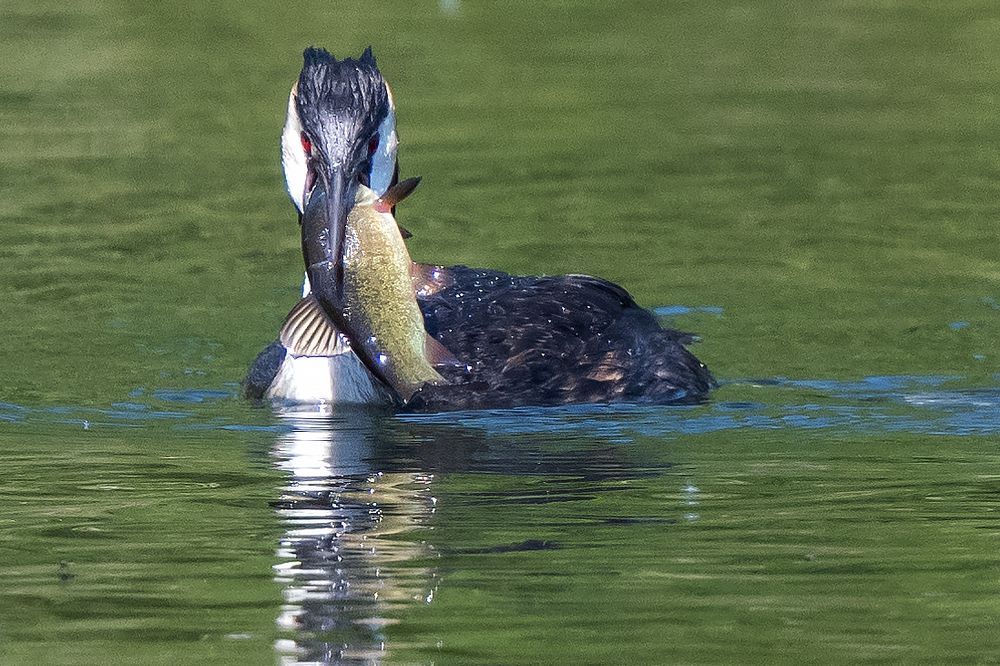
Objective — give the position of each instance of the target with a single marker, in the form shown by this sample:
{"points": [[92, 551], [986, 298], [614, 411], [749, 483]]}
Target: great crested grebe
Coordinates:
{"points": [[521, 340]]}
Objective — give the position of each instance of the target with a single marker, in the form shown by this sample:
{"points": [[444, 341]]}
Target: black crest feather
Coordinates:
{"points": [[346, 97]]}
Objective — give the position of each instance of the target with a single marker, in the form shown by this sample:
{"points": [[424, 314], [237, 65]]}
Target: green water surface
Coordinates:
{"points": [[816, 182]]}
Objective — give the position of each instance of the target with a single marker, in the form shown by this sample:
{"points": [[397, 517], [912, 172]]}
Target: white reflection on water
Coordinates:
{"points": [[340, 569]]}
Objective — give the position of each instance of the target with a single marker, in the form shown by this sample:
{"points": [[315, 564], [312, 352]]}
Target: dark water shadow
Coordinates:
{"points": [[358, 499], [358, 503]]}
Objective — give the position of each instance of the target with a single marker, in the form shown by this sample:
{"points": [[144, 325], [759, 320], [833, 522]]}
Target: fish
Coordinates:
{"points": [[376, 309]]}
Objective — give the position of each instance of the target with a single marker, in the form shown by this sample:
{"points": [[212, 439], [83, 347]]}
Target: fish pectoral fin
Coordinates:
{"points": [[308, 331], [396, 193], [429, 279], [439, 355]]}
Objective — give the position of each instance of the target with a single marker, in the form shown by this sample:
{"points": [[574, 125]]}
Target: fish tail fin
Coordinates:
{"points": [[439, 355], [405, 390]]}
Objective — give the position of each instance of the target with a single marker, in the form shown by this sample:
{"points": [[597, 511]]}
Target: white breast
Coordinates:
{"points": [[336, 380]]}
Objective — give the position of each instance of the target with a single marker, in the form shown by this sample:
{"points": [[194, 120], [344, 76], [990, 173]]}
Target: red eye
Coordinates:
{"points": [[306, 143], [372, 145]]}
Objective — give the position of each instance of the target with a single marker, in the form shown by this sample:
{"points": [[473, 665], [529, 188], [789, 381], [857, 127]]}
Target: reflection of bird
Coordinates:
{"points": [[526, 340], [351, 535]]}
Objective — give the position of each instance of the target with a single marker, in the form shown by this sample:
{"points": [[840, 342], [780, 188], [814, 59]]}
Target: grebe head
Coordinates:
{"points": [[340, 119], [340, 131]]}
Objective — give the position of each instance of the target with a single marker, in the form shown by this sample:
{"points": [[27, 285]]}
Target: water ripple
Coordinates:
{"points": [[920, 404], [903, 403]]}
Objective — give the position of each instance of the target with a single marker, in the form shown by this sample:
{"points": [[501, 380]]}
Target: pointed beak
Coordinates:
{"points": [[324, 223]]}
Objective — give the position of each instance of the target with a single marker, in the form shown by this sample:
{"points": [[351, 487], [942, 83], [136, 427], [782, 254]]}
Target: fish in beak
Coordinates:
{"points": [[376, 307], [360, 274]]}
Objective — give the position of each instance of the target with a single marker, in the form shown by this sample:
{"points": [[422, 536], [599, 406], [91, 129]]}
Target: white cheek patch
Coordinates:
{"points": [[384, 158], [293, 156]]}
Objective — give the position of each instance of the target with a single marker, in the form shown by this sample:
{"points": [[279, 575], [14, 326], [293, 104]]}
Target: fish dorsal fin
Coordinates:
{"points": [[439, 355], [307, 331], [428, 279], [396, 193]]}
